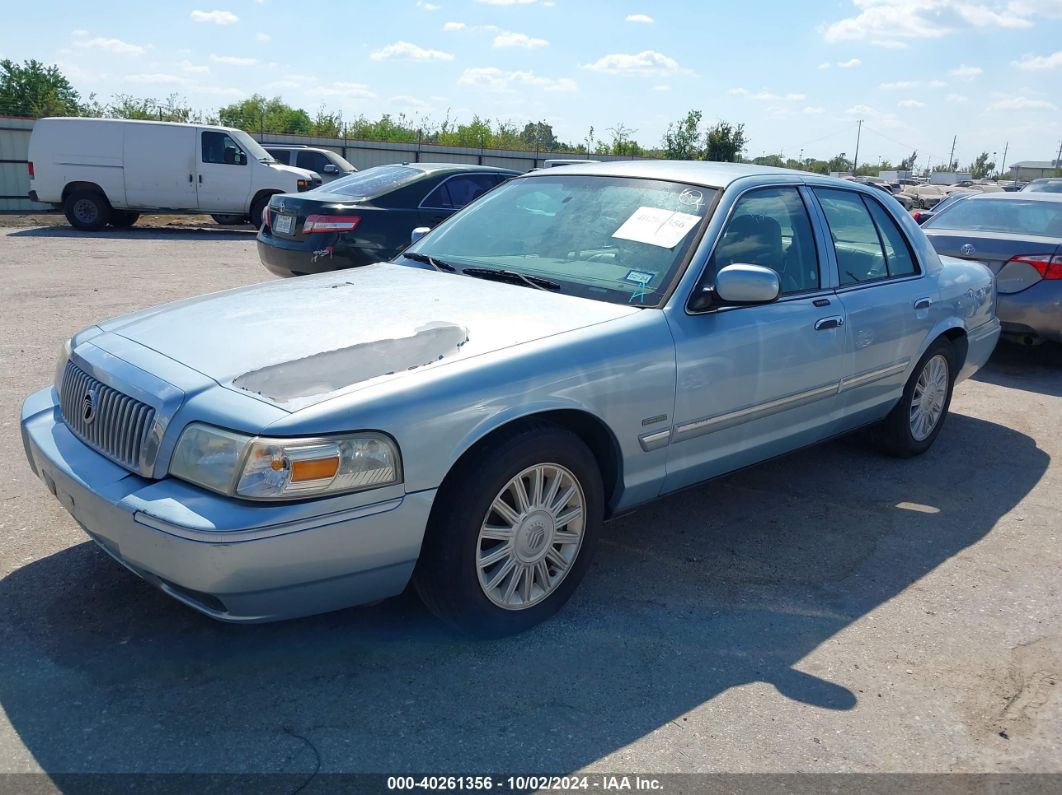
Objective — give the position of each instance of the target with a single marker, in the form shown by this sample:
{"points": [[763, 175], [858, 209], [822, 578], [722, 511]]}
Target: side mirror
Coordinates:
{"points": [[418, 233], [330, 169], [747, 284]]}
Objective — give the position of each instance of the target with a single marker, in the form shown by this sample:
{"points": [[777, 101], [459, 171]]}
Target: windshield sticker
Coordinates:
{"points": [[638, 295], [657, 227], [639, 277], [690, 196]]}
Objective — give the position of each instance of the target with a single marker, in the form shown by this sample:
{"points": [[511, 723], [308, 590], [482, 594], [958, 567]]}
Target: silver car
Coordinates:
{"points": [[576, 343]]}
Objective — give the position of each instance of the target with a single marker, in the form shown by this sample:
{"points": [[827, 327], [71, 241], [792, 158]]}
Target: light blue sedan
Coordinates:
{"points": [[578, 342]]}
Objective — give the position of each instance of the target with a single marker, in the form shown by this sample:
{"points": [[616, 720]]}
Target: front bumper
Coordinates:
{"points": [[1035, 311], [223, 557]]}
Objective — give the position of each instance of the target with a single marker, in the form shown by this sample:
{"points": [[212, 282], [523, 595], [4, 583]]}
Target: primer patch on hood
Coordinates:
{"points": [[333, 370]]}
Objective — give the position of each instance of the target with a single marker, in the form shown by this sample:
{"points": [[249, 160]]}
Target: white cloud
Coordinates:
{"points": [[643, 19], [1052, 61], [508, 2], [188, 66], [824, 65], [341, 89], [491, 78], [79, 32], [647, 62], [910, 103], [811, 110], [965, 72], [407, 101], [889, 44], [233, 60], [263, 37], [455, 26], [1021, 103], [116, 46], [899, 85], [662, 87], [158, 77], [216, 17], [428, 6], [849, 64], [766, 96], [406, 50], [277, 85], [957, 99], [509, 39], [895, 20], [937, 84]]}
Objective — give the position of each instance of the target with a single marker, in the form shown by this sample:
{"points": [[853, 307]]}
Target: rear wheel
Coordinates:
{"points": [[87, 210], [512, 532], [123, 219], [914, 424], [258, 209]]}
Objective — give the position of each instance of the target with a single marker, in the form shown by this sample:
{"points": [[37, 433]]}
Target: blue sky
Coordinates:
{"points": [[797, 74]]}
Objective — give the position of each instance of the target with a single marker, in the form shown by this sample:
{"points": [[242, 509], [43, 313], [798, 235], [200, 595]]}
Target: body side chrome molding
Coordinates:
{"points": [[873, 375]]}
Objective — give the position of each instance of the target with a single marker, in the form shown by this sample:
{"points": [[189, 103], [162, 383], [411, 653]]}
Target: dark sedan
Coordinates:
{"points": [[366, 217], [1019, 237]]}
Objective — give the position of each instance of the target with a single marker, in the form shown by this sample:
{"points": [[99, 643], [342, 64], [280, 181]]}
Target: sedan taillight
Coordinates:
{"points": [[1049, 267], [330, 223], [267, 217]]}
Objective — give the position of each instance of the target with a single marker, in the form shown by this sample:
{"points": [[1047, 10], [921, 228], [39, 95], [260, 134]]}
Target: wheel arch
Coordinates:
{"points": [[70, 187], [591, 429], [264, 193]]}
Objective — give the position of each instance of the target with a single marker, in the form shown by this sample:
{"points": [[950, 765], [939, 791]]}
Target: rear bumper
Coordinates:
{"points": [[980, 342], [1036, 311], [263, 569], [293, 258]]}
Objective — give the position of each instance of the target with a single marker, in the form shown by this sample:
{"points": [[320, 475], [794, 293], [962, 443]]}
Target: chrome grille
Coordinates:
{"points": [[119, 423]]}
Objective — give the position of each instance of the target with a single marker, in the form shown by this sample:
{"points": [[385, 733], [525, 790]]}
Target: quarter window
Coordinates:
{"points": [[770, 227], [455, 192], [898, 258], [221, 149]]}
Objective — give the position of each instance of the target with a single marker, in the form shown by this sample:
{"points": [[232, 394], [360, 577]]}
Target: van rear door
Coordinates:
{"points": [[224, 172], [160, 167]]}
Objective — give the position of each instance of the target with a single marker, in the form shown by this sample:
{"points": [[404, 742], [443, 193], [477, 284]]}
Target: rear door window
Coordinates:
{"points": [[860, 257], [314, 161], [455, 192], [898, 257]]}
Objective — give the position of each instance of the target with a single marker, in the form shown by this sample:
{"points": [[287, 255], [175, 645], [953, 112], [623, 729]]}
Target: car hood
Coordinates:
{"points": [[301, 173], [296, 342]]}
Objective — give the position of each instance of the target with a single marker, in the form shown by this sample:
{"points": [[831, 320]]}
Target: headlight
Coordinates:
{"points": [[60, 364], [259, 468]]}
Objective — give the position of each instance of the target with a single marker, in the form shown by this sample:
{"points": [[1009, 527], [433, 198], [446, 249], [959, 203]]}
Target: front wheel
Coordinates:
{"points": [[512, 532], [230, 220], [914, 424]]}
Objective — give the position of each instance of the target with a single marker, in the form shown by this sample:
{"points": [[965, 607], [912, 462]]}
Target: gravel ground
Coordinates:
{"points": [[832, 611]]}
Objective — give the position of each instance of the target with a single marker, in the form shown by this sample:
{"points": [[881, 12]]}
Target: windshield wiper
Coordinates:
{"points": [[439, 266], [511, 276]]}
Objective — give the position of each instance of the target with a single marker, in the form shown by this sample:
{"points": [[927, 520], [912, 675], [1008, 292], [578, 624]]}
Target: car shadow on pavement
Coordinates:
{"points": [[1031, 369], [144, 233], [730, 584]]}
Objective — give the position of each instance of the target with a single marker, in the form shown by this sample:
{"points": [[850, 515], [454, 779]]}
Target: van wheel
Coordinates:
{"points": [[123, 219], [914, 424], [258, 209], [230, 220], [87, 210], [512, 532]]}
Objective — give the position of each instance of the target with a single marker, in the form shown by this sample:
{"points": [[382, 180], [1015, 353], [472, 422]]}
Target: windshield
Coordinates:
{"points": [[1000, 215], [608, 238], [252, 147], [373, 181]]}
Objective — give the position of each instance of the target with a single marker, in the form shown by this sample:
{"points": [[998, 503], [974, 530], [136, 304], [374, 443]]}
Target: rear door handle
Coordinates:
{"points": [[923, 303], [835, 321]]}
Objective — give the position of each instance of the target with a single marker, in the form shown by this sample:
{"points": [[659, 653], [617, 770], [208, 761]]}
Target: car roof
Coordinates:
{"points": [[430, 168], [698, 172], [1019, 196]]}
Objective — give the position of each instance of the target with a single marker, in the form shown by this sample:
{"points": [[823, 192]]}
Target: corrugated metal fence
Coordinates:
{"points": [[15, 134]]}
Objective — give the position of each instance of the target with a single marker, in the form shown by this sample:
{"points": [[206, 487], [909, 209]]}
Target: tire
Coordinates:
{"points": [[87, 210], [123, 219], [230, 220], [900, 433], [449, 575], [258, 209]]}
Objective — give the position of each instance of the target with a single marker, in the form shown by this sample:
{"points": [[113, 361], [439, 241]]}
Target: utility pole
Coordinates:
{"points": [[1003, 168], [859, 131], [1058, 160], [951, 157]]}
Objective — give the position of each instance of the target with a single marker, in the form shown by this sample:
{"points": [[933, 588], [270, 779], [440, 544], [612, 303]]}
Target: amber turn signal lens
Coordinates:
{"points": [[314, 469]]}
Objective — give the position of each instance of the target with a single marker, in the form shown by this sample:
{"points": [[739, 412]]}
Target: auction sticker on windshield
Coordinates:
{"points": [[657, 227]]}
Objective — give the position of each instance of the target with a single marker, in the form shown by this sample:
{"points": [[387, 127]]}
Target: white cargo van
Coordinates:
{"points": [[102, 171]]}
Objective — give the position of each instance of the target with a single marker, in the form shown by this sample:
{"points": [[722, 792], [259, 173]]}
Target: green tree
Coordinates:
{"points": [[125, 106], [623, 142], [725, 142], [328, 124], [259, 114], [539, 135], [982, 166], [908, 163], [769, 160], [34, 89], [682, 139]]}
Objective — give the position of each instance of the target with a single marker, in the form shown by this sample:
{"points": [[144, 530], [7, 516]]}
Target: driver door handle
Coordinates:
{"points": [[923, 303], [834, 321]]}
